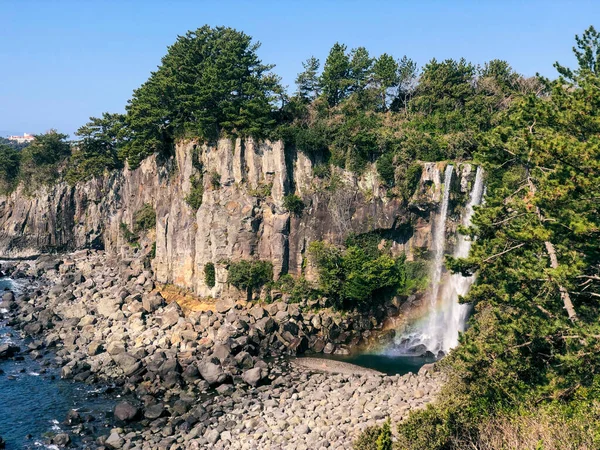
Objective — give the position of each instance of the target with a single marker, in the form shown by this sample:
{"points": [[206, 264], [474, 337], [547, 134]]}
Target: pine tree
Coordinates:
{"points": [[308, 80], [335, 79]]}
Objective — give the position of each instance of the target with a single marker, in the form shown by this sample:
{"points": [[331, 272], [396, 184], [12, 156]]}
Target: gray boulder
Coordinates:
{"points": [[126, 412]]}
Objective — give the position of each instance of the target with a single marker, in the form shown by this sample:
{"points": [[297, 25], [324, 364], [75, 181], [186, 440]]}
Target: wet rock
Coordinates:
{"points": [[8, 351], [61, 439]]}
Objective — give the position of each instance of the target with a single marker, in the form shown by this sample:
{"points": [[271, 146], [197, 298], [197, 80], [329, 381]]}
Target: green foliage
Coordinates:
{"points": [[209, 274], [335, 79], [262, 190], [144, 219], [308, 81], [384, 441], [293, 204], [299, 289], [387, 169], [367, 440], [98, 150], [526, 372], [42, 159], [249, 275], [194, 198], [355, 276], [130, 237], [10, 160], [322, 171], [209, 84], [215, 179]]}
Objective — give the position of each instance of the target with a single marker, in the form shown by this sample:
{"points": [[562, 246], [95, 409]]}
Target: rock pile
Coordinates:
{"points": [[211, 379]]}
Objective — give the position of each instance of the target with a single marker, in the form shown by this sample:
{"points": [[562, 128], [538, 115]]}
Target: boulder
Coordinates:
{"points": [[224, 304], [170, 316], [128, 363], [253, 376], [8, 351], [61, 439], [211, 372], [126, 412], [95, 348], [152, 302], [114, 441], [155, 411]]}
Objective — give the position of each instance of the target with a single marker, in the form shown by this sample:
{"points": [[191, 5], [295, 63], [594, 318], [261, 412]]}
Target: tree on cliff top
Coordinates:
{"points": [[211, 83]]}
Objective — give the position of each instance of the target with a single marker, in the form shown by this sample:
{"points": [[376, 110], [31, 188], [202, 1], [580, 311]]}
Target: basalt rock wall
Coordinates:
{"points": [[242, 215]]}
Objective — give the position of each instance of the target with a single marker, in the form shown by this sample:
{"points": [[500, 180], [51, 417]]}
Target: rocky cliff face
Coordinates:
{"points": [[242, 214]]}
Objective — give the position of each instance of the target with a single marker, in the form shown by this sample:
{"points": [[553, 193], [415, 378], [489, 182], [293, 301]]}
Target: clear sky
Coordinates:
{"points": [[64, 61]]}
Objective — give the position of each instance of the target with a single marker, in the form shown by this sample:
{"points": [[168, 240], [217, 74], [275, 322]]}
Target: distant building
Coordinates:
{"points": [[26, 138]]}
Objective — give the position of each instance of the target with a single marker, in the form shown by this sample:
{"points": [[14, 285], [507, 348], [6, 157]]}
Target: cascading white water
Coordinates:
{"points": [[457, 286], [446, 317]]}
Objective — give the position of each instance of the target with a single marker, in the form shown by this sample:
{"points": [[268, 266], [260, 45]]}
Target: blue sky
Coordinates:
{"points": [[64, 61]]}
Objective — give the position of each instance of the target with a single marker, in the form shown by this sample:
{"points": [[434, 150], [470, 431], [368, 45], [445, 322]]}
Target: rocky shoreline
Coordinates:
{"points": [[218, 377]]}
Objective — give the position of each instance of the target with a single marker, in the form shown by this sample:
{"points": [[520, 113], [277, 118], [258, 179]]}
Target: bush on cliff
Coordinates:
{"points": [[209, 274], [144, 219], [98, 150], [249, 275]]}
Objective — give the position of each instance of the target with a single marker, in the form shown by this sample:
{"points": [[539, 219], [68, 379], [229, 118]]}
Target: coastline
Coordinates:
{"points": [[203, 380]]}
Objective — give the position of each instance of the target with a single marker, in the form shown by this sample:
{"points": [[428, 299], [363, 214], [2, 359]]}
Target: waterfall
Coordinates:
{"points": [[438, 331], [457, 286]]}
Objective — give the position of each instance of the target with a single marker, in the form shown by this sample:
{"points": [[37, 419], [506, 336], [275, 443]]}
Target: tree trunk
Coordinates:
{"points": [[564, 294]]}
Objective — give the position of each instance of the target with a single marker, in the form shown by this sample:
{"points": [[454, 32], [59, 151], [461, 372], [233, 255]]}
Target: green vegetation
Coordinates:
{"points": [[194, 198], [144, 219], [10, 159], [359, 109], [299, 289], [209, 274], [98, 149], [130, 237], [526, 372], [250, 275], [293, 204], [355, 276], [42, 159], [217, 86]]}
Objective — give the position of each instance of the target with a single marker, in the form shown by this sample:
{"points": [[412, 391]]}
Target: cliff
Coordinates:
{"points": [[241, 216]]}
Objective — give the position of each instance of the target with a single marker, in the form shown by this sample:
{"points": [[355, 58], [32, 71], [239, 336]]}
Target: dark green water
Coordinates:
{"points": [[390, 365]]}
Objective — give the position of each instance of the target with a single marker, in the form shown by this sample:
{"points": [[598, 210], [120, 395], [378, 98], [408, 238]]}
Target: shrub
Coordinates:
{"points": [[40, 161], [355, 276], [249, 275], [128, 235], [367, 440], [298, 289], [194, 198], [261, 191], [386, 169], [321, 171], [144, 219], [215, 179], [293, 204], [384, 441], [209, 274]]}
